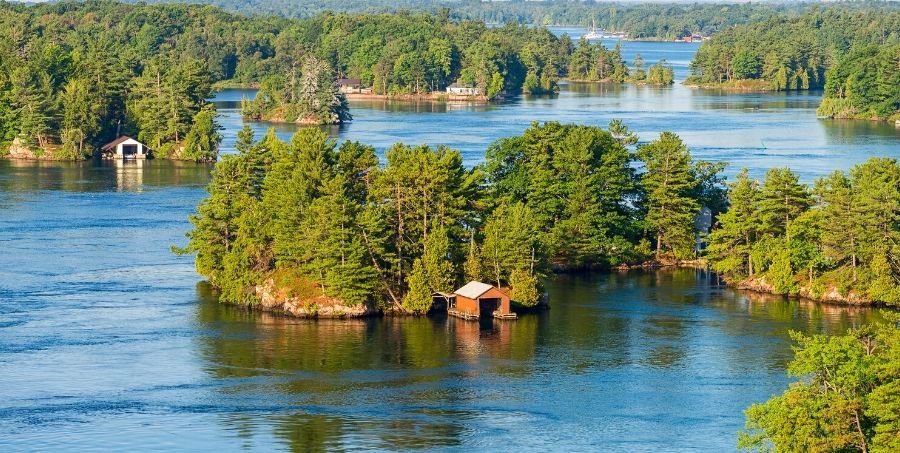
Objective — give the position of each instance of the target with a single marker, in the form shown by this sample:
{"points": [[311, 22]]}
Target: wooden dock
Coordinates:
{"points": [[463, 314], [474, 317]]}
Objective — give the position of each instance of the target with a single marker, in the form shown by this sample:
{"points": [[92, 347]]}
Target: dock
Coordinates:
{"points": [[475, 316]]}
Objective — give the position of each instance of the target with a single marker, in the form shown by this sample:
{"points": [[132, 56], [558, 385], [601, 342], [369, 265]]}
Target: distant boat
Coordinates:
{"points": [[593, 34]]}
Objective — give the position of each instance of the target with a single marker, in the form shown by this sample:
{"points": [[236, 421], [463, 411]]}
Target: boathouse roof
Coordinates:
{"points": [[473, 290], [460, 85], [118, 141]]}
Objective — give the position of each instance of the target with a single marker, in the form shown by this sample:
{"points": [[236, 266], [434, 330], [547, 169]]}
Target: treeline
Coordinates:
{"points": [[74, 76], [328, 220], [838, 240], [414, 54], [796, 54], [659, 20]]}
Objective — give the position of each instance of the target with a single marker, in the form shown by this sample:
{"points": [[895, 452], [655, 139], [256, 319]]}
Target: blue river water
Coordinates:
{"points": [[109, 342]]}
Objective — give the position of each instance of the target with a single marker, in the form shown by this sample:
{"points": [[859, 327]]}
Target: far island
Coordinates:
{"points": [[851, 55]]}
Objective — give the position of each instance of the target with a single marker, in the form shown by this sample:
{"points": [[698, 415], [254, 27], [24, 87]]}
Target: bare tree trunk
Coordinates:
{"points": [[387, 285], [399, 238], [862, 437]]}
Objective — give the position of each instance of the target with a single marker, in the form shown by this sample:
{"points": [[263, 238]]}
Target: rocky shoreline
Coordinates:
{"points": [[274, 299], [829, 296]]}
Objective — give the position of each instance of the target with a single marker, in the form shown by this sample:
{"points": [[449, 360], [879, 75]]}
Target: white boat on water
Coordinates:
{"points": [[594, 34]]}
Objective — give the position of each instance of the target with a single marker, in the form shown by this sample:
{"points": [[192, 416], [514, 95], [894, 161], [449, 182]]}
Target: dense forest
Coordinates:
{"points": [[657, 20], [852, 54], [847, 397], [331, 222], [838, 240], [76, 75], [414, 54]]}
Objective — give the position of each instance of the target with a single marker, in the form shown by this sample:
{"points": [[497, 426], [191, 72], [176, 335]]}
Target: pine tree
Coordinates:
{"points": [[423, 188], [147, 106], [473, 268], [805, 246], [845, 397], [295, 180], [358, 163], [781, 273], [730, 243], [782, 199], [202, 141], [638, 73], [840, 226], [668, 183], [216, 222], [621, 132], [376, 237], [578, 234], [418, 297], [82, 110], [510, 242], [438, 261], [876, 187], [524, 287], [31, 107], [883, 281], [876, 194]]}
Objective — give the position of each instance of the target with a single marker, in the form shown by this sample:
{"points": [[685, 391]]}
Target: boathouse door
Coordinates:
{"points": [[129, 151], [487, 306]]}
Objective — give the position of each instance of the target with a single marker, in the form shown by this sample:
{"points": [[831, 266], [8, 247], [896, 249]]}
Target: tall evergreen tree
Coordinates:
{"points": [[216, 222], [840, 226], [510, 243], [473, 268], [732, 240], [782, 199], [669, 183], [202, 142], [876, 185]]}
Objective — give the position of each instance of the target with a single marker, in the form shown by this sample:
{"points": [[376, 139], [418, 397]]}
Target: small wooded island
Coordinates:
{"points": [[314, 228], [310, 224]]}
